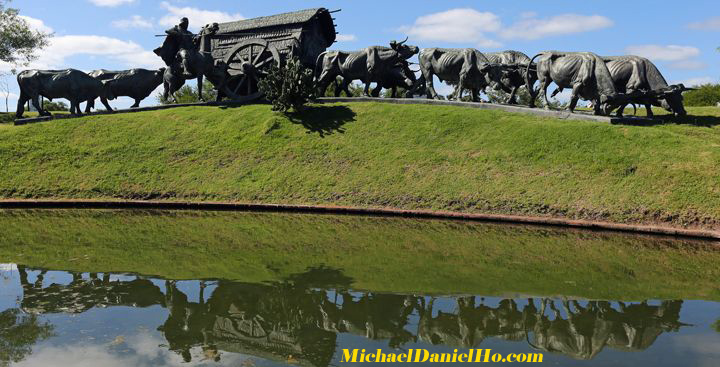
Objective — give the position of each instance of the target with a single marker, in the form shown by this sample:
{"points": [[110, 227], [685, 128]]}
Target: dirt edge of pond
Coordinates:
{"points": [[345, 210]]}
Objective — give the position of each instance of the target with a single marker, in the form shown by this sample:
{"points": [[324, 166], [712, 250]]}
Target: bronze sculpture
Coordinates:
{"points": [[71, 84], [372, 64], [584, 72], [137, 84]]}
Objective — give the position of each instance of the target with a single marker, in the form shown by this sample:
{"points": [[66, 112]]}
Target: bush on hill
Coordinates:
{"points": [[705, 95]]}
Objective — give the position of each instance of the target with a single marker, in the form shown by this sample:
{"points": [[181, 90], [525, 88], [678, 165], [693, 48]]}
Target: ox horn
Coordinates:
{"points": [[403, 42]]}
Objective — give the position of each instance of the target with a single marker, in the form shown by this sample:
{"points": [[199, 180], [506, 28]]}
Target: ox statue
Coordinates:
{"points": [[641, 80], [71, 84], [400, 76], [136, 83], [515, 65], [369, 65], [467, 68], [584, 72]]}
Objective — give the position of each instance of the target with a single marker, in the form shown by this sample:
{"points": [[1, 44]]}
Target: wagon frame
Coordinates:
{"points": [[249, 48]]}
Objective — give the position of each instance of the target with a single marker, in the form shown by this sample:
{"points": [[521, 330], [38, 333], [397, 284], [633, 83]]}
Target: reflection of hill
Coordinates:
{"points": [[301, 317]]}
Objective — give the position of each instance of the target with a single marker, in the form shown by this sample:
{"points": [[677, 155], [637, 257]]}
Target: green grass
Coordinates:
{"points": [[379, 254], [378, 155]]}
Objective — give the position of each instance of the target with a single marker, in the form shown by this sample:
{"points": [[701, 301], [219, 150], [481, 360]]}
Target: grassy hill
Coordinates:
{"points": [[378, 155]]}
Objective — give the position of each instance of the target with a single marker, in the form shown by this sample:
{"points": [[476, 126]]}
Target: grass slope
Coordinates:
{"points": [[379, 254], [377, 155]]}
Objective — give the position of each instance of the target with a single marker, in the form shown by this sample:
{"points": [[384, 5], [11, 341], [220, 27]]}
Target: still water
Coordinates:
{"points": [[599, 300]]}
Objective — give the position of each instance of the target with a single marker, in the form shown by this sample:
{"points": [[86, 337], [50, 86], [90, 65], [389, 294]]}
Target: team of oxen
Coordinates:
{"points": [[609, 83]]}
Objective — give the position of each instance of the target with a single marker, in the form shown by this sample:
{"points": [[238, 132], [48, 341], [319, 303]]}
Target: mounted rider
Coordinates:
{"points": [[179, 43]]}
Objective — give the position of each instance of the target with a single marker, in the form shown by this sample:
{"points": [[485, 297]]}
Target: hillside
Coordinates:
{"points": [[378, 155]]}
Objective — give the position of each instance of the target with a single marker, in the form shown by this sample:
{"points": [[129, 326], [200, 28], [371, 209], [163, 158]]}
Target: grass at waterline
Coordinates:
{"points": [[379, 254], [377, 155]]}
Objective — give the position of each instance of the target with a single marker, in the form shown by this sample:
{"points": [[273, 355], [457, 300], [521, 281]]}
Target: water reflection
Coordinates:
{"points": [[303, 318]]}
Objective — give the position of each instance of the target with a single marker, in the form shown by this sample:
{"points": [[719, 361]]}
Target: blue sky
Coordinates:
{"points": [[118, 34]]}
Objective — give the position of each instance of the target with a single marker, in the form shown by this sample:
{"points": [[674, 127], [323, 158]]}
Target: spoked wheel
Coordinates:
{"points": [[247, 63]]}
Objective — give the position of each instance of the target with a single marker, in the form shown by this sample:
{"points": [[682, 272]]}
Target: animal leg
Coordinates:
{"points": [[20, 110], [648, 108], [137, 103], [513, 98], [89, 105], [430, 86], [38, 107], [545, 95], [575, 97]]}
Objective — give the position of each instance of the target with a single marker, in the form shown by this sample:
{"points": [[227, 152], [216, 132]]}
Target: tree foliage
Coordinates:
{"points": [[18, 333], [55, 106], [189, 94], [290, 86], [356, 90], [18, 41], [705, 95]]}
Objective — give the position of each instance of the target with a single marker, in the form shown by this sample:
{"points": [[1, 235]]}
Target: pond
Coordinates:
{"points": [[167, 288]]}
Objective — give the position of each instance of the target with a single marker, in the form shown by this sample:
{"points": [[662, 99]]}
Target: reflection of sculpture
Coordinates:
{"points": [[71, 84], [466, 68], [589, 329], [584, 72], [137, 84], [372, 64], [302, 317]]}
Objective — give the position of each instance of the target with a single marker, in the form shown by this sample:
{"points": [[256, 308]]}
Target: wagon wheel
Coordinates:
{"points": [[247, 63]]}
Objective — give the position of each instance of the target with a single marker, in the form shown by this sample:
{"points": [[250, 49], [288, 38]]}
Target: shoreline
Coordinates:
{"points": [[359, 211]]}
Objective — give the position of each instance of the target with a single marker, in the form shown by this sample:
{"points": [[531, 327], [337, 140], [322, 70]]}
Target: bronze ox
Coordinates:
{"points": [[584, 72], [71, 84], [466, 68], [137, 84], [372, 64]]}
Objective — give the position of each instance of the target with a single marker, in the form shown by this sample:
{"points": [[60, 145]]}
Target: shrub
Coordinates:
{"points": [[288, 86], [55, 106], [705, 95], [189, 94]]}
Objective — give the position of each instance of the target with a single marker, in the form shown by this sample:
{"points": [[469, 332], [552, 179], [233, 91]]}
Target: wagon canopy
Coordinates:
{"points": [[307, 32]]}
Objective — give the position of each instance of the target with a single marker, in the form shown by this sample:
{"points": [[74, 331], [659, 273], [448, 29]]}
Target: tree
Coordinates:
{"points": [[18, 42], [189, 94], [5, 89], [18, 333], [356, 90], [55, 106], [290, 86], [704, 95]]}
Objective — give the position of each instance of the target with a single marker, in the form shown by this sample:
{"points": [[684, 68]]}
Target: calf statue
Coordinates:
{"points": [[137, 84], [584, 72], [467, 68], [71, 84], [372, 64]]}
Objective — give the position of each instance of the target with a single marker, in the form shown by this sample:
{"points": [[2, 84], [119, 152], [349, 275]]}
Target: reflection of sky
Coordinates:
{"points": [[129, 336]]}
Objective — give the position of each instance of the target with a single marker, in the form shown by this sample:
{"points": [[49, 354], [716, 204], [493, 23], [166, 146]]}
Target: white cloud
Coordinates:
{"points": [[711, 24], [694, 82], [664, 53], [111, 3], [198, 17], [142, 350], [346, 37], [689, 65], [462, 25], [531, 28], [135, 21], [36, 24], [128, 53]]}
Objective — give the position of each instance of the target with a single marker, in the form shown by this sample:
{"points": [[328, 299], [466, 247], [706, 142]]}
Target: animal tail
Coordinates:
{"points": [[533, 93], [317, 63]]}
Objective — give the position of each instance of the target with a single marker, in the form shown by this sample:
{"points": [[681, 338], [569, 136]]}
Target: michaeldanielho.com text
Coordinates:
{"points": [[424, 356]]}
